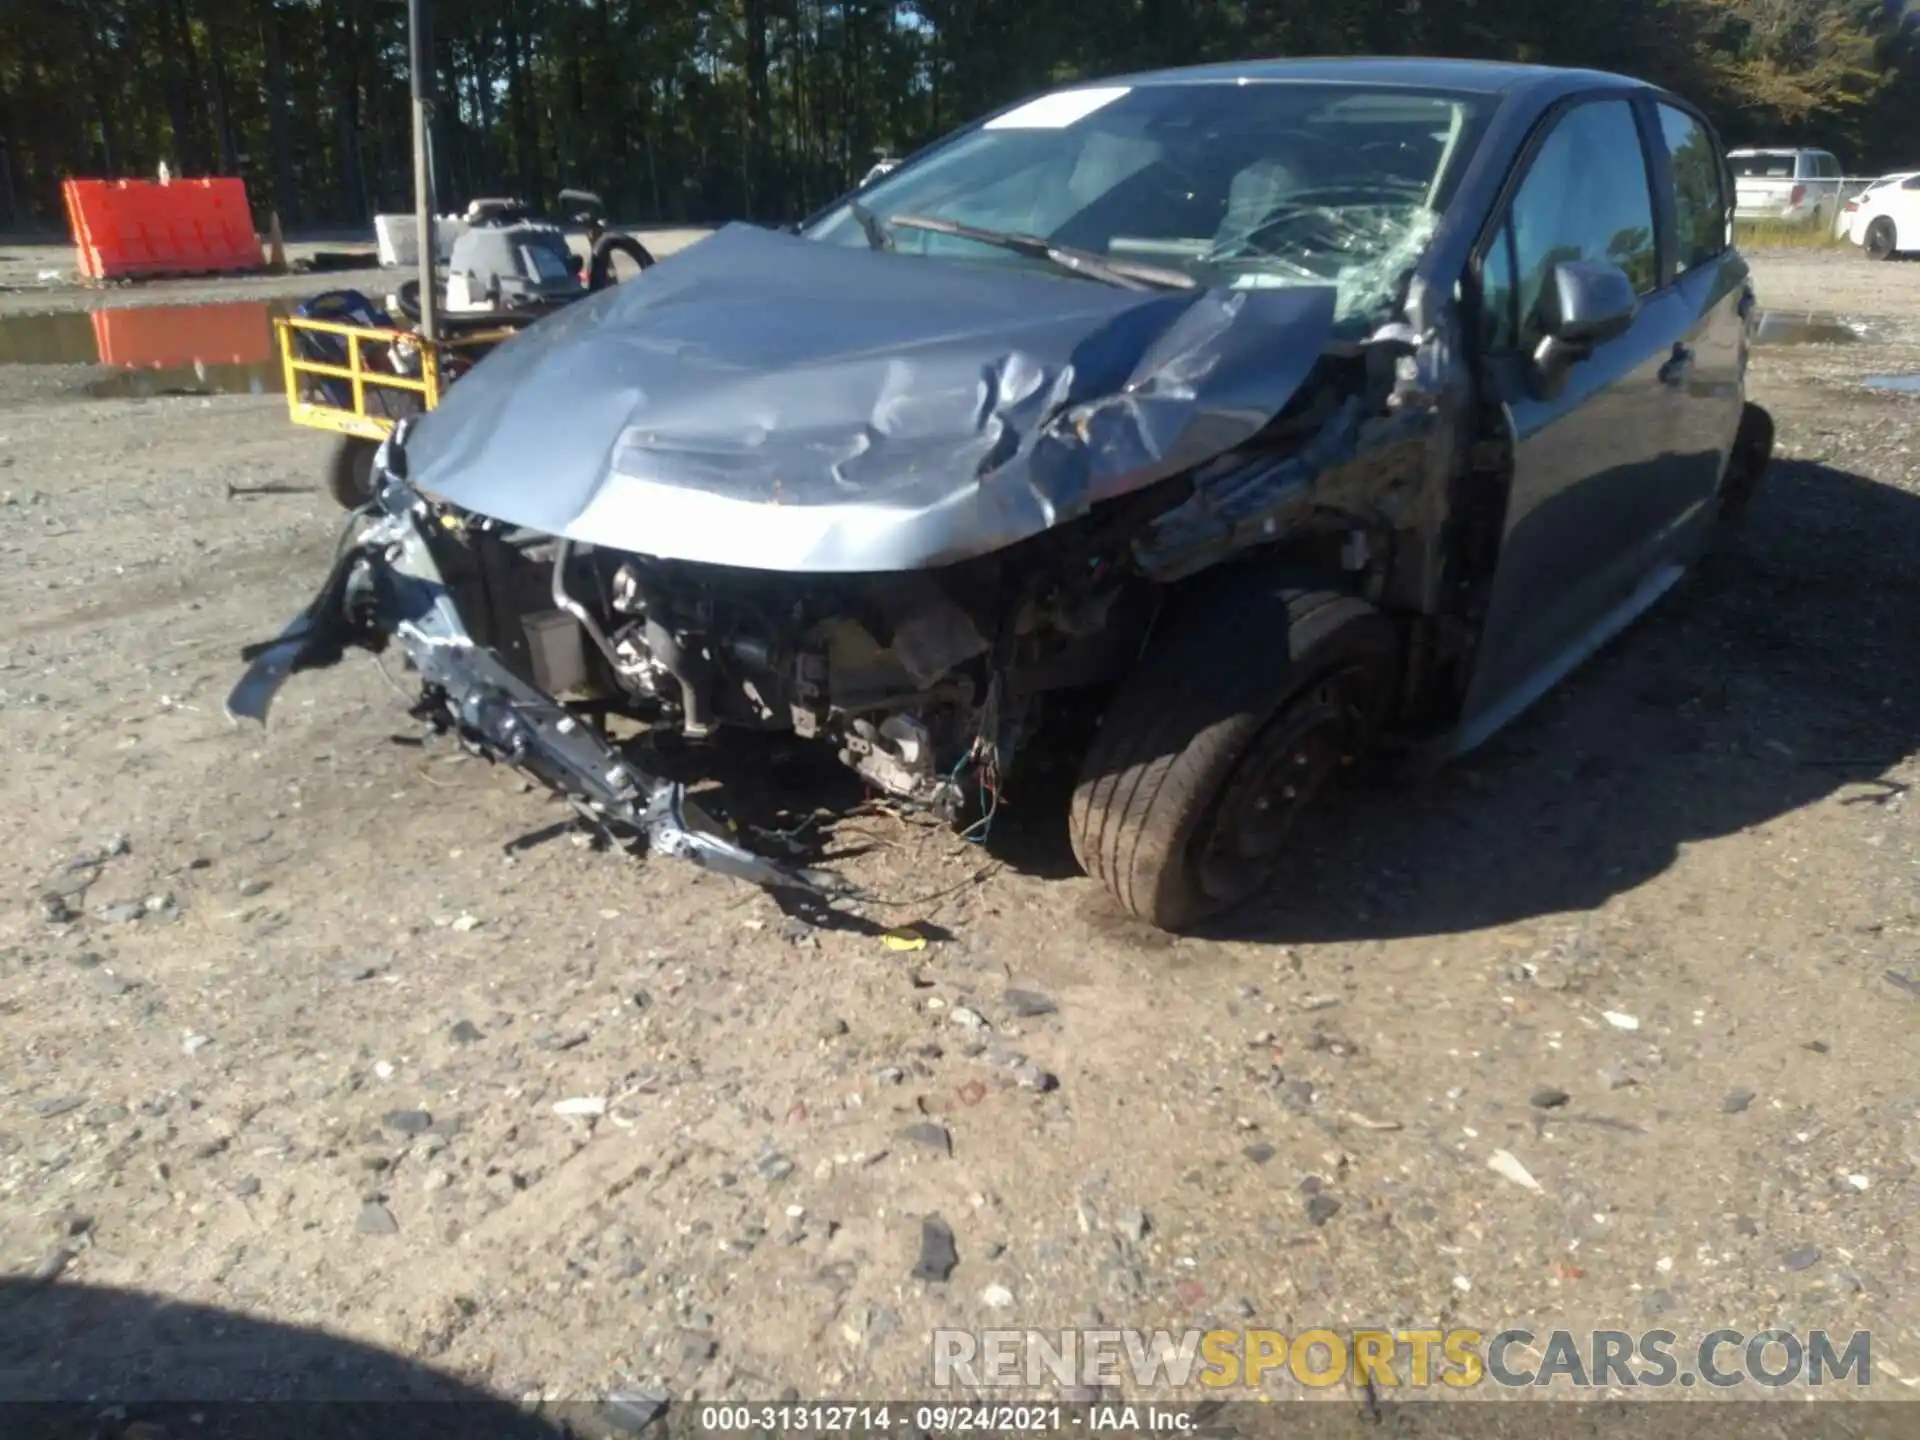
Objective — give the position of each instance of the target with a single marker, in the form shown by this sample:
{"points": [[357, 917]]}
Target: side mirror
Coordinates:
{"points": [[1584, 304]]}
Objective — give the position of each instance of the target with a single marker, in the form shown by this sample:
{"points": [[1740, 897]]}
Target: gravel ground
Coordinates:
{"points": [[347, 1034]]}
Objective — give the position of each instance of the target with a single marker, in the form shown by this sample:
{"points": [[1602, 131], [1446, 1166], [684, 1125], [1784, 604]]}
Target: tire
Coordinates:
{"points": [[1746, 466], [600, 272], [1882, 240], [350, 472], [1255, 676]]}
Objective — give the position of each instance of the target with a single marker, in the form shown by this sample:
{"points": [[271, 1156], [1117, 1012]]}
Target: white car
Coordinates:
{"points": [[1793, 187], [1884, 219]]}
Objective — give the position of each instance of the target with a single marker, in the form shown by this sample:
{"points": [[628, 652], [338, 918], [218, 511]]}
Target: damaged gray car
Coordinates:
{"points": [[1274, 411]]}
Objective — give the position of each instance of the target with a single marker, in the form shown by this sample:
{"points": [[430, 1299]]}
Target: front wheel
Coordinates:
{"points": [[1882, 240], [1241, 714]]}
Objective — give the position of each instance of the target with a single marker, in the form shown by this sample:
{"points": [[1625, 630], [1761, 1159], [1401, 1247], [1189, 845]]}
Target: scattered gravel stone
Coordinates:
{"points": [[194, 1044], [55, 910], [696, 1349], [628, 1412], [1548, 1099], [121, 914], [1259, 1153], [465, 1032], [1030, 1076], [1736, 1101], [1134, 1224], [1322, 1208], [246, 1187], [833, 1029], [1028, 1004], [937, 1254], [407, 1122], [969, 1019], [70, 885], [376, 1219], [1508, 1167], [1620, 1020], [934, 1137], [1804, 1258], [997, 1297], [251, 888], [58, 1105], [1657, 1303], [773, 1166]]}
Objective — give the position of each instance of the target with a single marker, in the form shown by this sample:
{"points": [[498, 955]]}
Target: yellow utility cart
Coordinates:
{"points": [[357, 380]]}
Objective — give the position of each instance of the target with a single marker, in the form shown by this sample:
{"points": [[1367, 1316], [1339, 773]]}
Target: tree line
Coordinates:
{"points": [[693, 111]]}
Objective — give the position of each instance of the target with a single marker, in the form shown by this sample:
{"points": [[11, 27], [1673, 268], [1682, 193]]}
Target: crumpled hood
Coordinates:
{"points": [[777, 403]]}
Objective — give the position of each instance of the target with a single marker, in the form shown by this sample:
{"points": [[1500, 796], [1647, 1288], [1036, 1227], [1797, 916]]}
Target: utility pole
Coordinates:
{"points": [[420, 61]]}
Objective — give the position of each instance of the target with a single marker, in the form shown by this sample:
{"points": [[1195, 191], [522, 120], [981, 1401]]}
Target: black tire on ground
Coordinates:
{"points": [[1248, 701], [350, 471], [600, 272], [1882, 239]]}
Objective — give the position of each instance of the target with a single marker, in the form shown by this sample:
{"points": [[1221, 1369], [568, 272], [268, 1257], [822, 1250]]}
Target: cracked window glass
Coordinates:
{"points": [[1242, 186]]}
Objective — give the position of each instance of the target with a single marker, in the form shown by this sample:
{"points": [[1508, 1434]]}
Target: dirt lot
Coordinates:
{"points": [[287, 1014]]}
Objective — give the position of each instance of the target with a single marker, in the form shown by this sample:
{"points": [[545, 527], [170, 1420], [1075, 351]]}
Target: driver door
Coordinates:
{"points": [[1592, 465]]}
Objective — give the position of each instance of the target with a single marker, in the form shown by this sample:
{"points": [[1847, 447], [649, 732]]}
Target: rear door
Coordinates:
{"points": [[1593, 473], [1708, 280]]}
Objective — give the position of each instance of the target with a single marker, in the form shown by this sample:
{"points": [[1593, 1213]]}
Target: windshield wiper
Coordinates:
{"points": [[871, 225], [1125, 273]]}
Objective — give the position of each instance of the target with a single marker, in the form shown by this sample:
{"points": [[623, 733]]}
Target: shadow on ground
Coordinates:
{"points": [[84, 1362], [1778, 675]]}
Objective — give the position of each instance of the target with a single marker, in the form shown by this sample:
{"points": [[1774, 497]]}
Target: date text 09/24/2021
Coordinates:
{"points": [[943, 1418]]}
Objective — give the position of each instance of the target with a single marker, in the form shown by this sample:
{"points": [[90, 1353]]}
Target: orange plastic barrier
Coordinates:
{"points": [[141, 227], [151, 337]]}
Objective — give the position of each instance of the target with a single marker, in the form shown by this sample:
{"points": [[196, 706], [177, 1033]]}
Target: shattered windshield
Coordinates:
{"points": [[1239, 185]]}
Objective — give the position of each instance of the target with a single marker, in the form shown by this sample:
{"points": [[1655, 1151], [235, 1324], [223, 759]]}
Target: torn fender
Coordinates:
{"points": [[385, 583], [771, 402]]}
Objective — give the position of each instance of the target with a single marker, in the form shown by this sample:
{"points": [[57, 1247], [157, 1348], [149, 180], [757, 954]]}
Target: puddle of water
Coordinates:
{"points": [[1777, 327], [1910, 384], [223, 349]]}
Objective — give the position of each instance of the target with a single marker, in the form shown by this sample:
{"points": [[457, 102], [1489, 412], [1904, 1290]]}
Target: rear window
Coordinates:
{"points": [[1763, 167]]}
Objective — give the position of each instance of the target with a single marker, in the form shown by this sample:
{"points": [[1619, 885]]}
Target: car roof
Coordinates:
{"points": [[1489, 77]]}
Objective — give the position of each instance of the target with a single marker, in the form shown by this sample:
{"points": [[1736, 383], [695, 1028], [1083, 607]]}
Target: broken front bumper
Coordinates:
{"points": [[385, 584]]}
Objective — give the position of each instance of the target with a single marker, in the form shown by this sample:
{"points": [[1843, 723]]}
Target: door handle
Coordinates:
{"points": [[1674, 372]]}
